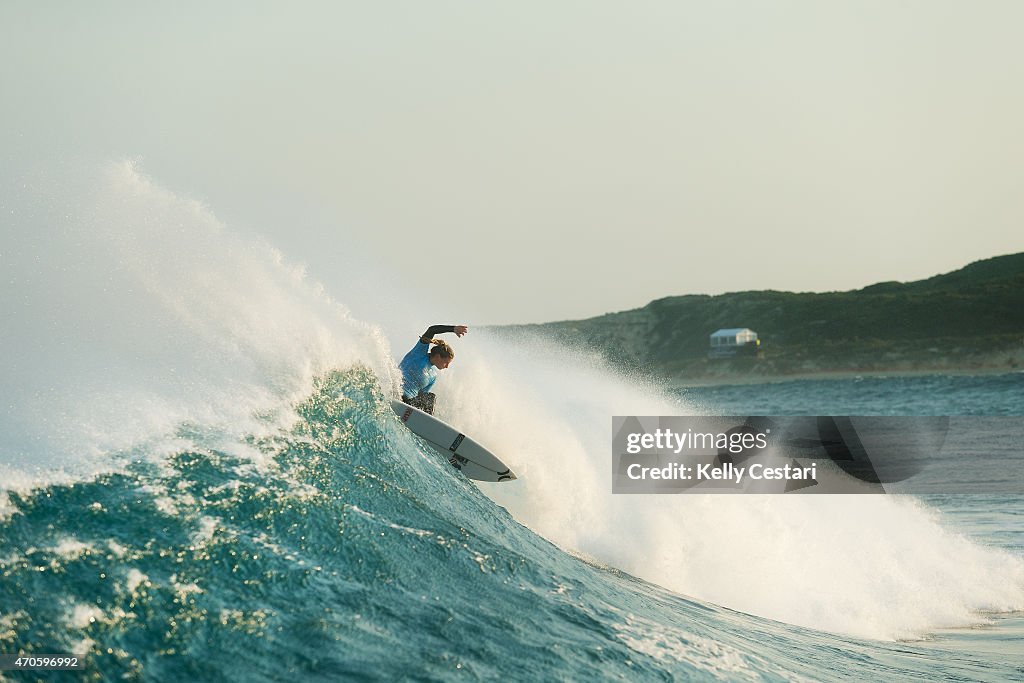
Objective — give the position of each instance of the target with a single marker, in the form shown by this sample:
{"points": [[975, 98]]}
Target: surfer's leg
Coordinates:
{"points": [[424, 402]]}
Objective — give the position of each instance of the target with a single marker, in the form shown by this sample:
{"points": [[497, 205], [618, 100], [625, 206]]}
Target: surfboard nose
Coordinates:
{"points": [[464, 453]]}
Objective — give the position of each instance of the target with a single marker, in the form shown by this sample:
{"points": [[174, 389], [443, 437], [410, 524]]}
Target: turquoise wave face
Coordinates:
{"points": [[346, 549]]}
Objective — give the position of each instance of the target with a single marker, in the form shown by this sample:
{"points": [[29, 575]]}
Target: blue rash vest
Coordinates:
{"points": [[418, 373]]}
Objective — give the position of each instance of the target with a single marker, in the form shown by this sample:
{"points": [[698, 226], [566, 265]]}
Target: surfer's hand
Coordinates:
{"points": [[461, 330]]}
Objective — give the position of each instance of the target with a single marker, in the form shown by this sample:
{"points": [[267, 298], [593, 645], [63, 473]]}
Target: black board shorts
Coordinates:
{"points": [[424, 402]]}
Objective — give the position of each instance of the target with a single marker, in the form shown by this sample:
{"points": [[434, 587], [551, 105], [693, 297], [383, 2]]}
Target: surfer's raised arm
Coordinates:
{"points": [[459, 330]]}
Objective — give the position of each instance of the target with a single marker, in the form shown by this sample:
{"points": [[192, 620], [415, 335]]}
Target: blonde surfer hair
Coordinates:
{"points": [[441, 347]]}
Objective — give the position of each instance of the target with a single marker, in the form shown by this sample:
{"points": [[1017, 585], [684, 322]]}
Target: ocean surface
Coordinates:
{"points": [[202, 481]]}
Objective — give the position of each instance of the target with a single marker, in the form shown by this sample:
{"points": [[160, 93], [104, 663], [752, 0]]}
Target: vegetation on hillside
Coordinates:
{"points": [[969, 319]]}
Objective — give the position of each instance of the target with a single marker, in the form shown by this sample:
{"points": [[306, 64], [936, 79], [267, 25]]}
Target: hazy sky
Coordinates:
{"points": [[535, 161]]}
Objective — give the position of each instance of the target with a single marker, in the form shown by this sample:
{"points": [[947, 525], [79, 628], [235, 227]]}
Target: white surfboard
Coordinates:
{"points": [[465, 454]]}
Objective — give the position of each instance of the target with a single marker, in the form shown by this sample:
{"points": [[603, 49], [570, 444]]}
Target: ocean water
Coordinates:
{"points": [[991, 394], [202, 480]]}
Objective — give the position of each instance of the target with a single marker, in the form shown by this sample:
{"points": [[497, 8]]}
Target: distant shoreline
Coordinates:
{"points": [[700, 382], [966, 322]]}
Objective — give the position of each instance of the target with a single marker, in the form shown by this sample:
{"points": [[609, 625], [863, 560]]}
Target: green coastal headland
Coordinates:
{"points": [[967, 321]]}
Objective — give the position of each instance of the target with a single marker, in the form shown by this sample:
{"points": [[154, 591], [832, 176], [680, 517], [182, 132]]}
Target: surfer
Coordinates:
{"points": [[419, 367]]}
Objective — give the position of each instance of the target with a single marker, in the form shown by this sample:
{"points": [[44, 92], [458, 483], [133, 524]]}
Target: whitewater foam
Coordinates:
{"points": [[880, 567], [135, 312]]}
